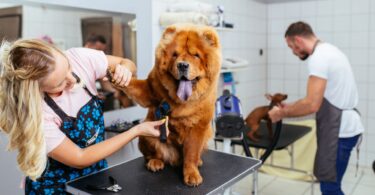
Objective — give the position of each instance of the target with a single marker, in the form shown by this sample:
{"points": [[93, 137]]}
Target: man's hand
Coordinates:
{"points": [[276, 113], [121, 77]]}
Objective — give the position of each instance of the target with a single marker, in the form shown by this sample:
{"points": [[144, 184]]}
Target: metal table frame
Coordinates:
{"points": [[227, 143]]}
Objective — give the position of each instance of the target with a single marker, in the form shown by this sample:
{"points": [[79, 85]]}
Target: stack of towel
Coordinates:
{"points": [[190, 12]]}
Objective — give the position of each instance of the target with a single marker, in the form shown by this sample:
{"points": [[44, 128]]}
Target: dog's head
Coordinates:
{"points": [[276, 98], [188, 61]]}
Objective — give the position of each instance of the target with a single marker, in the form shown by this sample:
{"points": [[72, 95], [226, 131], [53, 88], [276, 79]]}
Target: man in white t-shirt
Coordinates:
{"points": [[331, 94]]}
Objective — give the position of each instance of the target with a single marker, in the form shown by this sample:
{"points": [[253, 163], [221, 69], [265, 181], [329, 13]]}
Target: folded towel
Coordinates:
{"points": [[213, 19], [234, 62], [192, 6], [169, 18]]}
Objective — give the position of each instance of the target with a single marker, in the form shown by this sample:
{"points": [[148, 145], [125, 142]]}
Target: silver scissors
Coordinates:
{"points": [[113, 187]]}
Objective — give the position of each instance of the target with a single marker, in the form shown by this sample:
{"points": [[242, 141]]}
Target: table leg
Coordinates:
{"points": [[227, 149], [255, 183], [226, 145]]}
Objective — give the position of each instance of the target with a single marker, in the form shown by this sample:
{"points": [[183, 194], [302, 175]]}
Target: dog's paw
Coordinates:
{"points": [[200, 163], [192, 177], [155, 165]]}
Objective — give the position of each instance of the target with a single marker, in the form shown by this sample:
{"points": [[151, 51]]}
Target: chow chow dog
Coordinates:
{"points": [[185, 76], [261, 113]]}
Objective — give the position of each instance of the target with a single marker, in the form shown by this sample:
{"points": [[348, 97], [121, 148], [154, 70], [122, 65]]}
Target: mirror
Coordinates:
{"points": [[67, 27]]}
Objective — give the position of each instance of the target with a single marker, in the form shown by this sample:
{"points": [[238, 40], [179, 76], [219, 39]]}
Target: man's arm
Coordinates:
{"points": [[308, 105]]}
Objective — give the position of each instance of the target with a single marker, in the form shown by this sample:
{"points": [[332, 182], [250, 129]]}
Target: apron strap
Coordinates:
{"points": [[358, 145], [355, 109], [88, 91], [76, 77], [359, 113], [84, 86], [56, 108]]}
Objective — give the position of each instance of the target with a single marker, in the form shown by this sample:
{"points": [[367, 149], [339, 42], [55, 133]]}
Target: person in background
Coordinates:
{"points": [[331, 94], [97, 42], [51, 113]]}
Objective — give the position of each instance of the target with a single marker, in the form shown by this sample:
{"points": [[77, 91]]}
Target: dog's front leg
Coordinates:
{"points": [[192, 150], [140, 91]]}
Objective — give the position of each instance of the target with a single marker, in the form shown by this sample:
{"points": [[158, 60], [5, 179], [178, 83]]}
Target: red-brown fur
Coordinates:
{"points": [[261, 113], [189, 121]]}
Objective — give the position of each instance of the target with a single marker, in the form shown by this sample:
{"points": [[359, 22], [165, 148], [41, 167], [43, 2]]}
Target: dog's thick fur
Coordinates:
{"points": [[261, 113], [190, 119]]}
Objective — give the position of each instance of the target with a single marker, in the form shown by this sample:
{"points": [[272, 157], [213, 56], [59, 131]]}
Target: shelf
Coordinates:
{"points": [[224, 70], [216, 28], [224, 29]]}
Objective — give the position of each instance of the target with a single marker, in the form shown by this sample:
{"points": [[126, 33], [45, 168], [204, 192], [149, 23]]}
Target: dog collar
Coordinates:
{"points": [[162, 110]]}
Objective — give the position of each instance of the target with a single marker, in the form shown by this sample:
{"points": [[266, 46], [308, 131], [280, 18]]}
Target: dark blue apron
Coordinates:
{"points": [[84, 130]]}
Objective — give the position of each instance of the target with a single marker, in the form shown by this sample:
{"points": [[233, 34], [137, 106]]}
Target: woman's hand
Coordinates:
{"points": [[121, 76], [149, 128], [121, 70]]}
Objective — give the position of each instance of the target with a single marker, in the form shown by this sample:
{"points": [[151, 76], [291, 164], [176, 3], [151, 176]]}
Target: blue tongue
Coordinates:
{"points": [[184, 90]]}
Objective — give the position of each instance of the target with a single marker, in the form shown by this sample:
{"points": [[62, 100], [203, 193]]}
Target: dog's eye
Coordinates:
{"points": [[196, 55], [175, 54]]}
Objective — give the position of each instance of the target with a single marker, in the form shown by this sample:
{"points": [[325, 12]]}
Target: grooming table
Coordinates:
{"points": [[219, 171], [288, 135]]}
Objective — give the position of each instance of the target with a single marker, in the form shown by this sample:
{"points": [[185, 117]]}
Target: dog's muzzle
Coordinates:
{"points": [[183, 69]]}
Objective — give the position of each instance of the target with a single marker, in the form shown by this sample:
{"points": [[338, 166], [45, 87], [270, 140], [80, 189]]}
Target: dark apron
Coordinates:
{"points": [[84, 130], [328, 120]]}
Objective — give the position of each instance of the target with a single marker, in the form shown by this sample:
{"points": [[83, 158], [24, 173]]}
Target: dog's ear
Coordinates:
{"points": [[211, 38], [268, 96], [170, 30]]}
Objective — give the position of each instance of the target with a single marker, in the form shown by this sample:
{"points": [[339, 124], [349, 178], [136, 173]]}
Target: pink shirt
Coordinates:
{"points": [[89, 65]]}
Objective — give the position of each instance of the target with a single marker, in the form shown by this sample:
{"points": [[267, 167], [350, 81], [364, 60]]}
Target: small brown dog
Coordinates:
{"points": [[259, 113]]}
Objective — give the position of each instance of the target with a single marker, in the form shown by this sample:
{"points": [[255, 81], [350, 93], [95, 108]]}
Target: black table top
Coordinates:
{"points": [[288, 135], [219, 171]]}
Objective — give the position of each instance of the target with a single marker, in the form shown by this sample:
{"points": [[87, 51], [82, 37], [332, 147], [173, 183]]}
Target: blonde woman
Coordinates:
{"points": [[52, 116]]}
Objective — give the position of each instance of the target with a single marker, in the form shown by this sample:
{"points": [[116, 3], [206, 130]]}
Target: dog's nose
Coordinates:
{"points": [[183, 66]]}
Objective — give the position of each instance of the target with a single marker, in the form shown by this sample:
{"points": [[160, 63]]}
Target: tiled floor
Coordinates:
{"points": [[362, 184]]}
